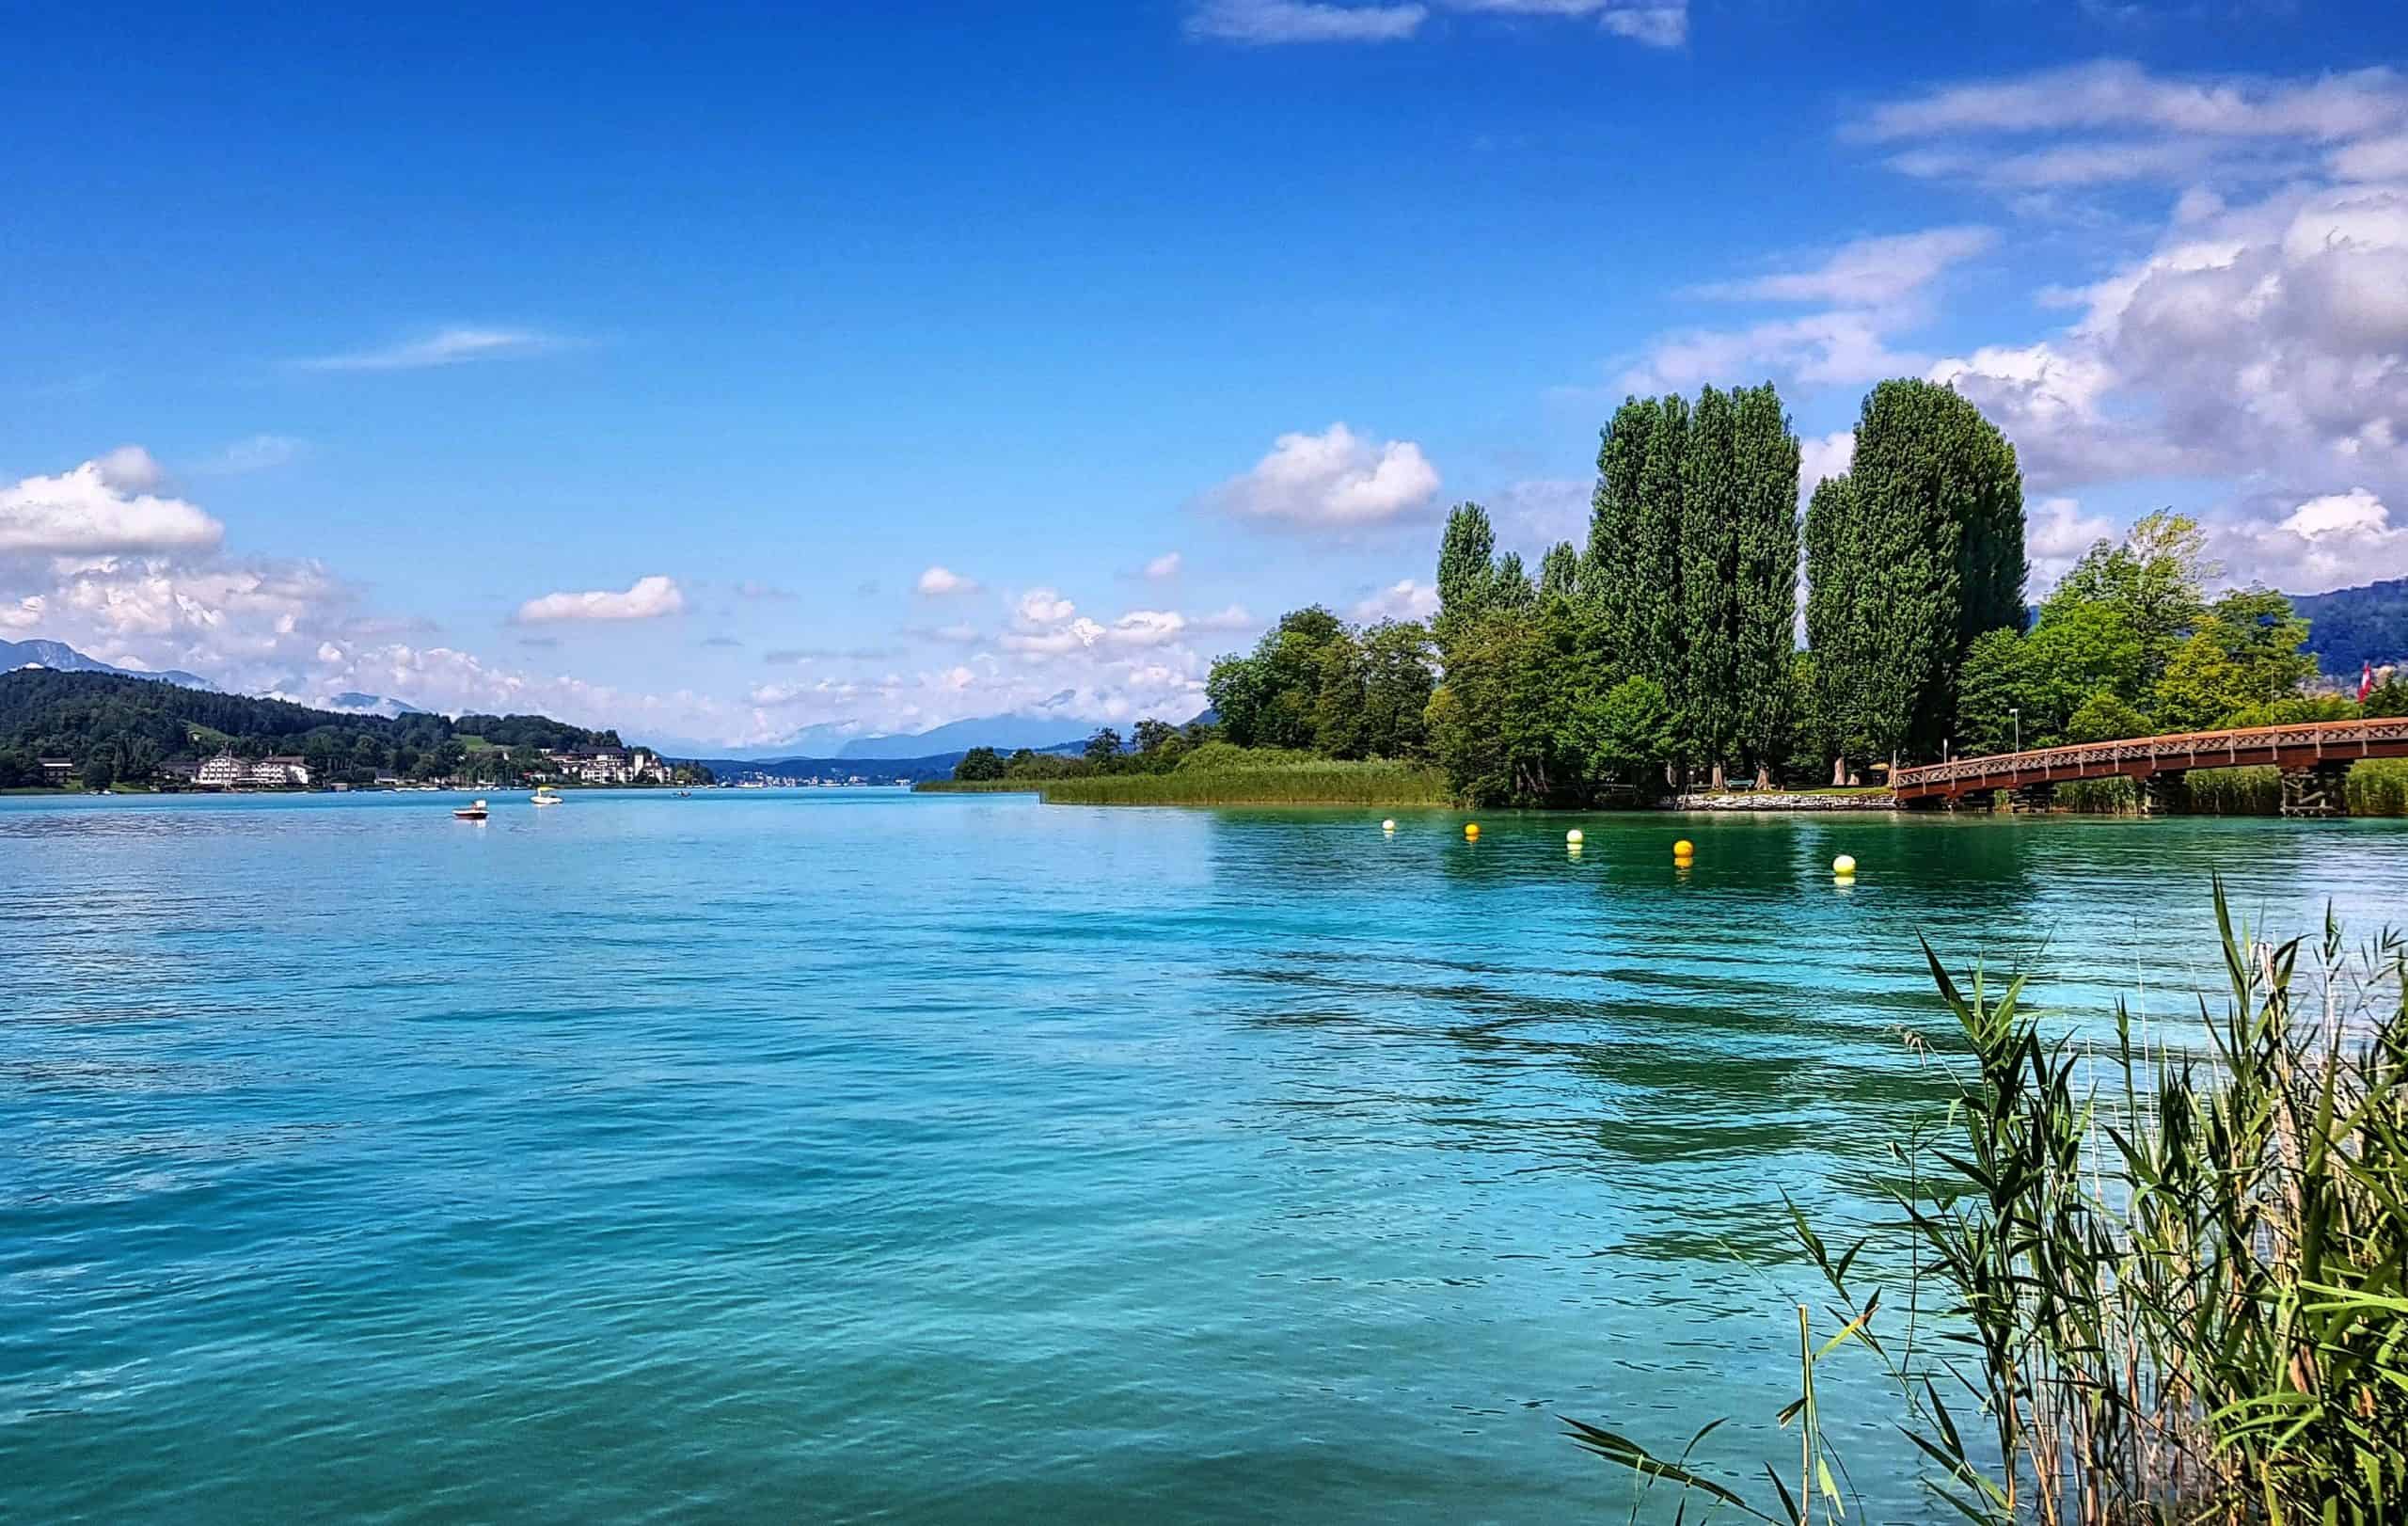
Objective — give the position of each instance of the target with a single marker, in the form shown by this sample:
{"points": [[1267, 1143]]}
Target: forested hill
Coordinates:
{"points": [[123, 728], [2352, 627]]}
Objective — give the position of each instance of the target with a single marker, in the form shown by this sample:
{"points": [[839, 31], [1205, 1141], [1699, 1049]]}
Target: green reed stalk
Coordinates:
{"points": [[2176, 1288]]}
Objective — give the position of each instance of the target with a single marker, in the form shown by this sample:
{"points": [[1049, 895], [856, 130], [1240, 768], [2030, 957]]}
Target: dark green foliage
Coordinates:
{"points": [[1710, 628], [1268, 697], [1103, 748], [980, 763], [1559, 572], [1614, 515], [1312, 682], [1920, 548], [1654, 591], [1764, 466], [1466, 569]]}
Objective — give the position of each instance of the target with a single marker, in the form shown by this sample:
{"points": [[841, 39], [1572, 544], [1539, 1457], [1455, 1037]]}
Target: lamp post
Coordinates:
{"points": [[2016, 711]]}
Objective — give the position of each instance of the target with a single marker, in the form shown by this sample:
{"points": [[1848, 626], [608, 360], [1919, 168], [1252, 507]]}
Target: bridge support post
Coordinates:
{"points": [[2032, 800], [2163, 794], [2320, 790]]}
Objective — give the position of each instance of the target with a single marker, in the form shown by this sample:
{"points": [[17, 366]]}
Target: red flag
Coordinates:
{"points": [[2366, 682]]}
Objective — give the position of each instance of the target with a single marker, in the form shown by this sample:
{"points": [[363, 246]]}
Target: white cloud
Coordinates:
{"points": [[1331, 480], [2268, 340], [1234, 617], [101, 508], [258, 453], [1165, 566], [1147, 627], [2116, 93], [2056, 534], [1661, 23], [1867, 272], [647, 598], [1262, 23], [1403, 600], [1076, 635], [24, 613], [1839, 348], [448, 346], [2374, 159], [1821, 456], [130, 469], [938, 581], [2336, 540], [1043, 607], [1657, 25]]}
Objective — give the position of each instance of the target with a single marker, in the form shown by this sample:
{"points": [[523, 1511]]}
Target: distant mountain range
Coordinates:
{"points": [[61, 657], [350, 702]]}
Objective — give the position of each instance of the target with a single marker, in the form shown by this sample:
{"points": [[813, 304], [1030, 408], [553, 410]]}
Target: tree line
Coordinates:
{"points": [[1665, 651]]}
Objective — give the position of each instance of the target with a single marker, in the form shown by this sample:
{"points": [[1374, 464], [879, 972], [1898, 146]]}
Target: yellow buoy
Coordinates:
{"points": [[1389, 825], [1683, 849], [1573, 837], [1471, 829], [1842, 864]]}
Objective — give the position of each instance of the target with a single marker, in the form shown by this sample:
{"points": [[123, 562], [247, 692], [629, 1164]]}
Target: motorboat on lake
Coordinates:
{"points": [[473, 811], [544, 795]]}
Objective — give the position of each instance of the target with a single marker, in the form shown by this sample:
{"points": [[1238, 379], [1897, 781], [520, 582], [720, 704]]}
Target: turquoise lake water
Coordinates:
{"points": [[853, 1155]]}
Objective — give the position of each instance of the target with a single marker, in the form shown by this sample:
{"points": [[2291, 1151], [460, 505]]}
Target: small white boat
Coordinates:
{"points": [[544, 795], [473, 811]]}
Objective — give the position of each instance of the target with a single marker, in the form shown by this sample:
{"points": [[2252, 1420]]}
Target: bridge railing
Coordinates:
{"points": [[2179, 750]]}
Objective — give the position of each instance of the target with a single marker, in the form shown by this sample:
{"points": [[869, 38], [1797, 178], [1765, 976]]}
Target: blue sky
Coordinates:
{"points": [[761, 375]]}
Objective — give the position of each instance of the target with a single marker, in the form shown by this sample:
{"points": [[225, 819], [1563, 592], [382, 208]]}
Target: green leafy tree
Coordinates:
{"points": [[1398, 663], [1628, 733], [1710, 634], [1765, 462], [1466, 569], [979, 765], [2155, 577], [1102, 749], [1656, 609], [1611, 569], [1559, 572], [2105, 716], [1921, 547]]}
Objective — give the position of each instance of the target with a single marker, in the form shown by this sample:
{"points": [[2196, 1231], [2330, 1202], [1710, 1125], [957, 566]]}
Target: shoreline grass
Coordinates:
{"points": [[1321, 782], [2377, 786]]}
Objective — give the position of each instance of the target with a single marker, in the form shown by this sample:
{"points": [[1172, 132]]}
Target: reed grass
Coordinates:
{"points": [[2376, 786], [2170, 1285], [1323, 782]]}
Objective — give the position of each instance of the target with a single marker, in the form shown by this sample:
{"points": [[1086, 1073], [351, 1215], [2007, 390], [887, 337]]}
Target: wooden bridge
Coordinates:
{"points": [[2314, 757]]}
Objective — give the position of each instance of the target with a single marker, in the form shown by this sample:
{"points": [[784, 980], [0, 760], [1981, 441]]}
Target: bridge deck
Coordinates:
{"points": [[2300, 746]]}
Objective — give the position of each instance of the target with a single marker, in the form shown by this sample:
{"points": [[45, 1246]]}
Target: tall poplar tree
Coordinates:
{"points": [[1765, 460], [1559, 572], [1833, 627], [1923, 552], [1654, 589], [1613, 518], [1710, 510], [1467, 571]]}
